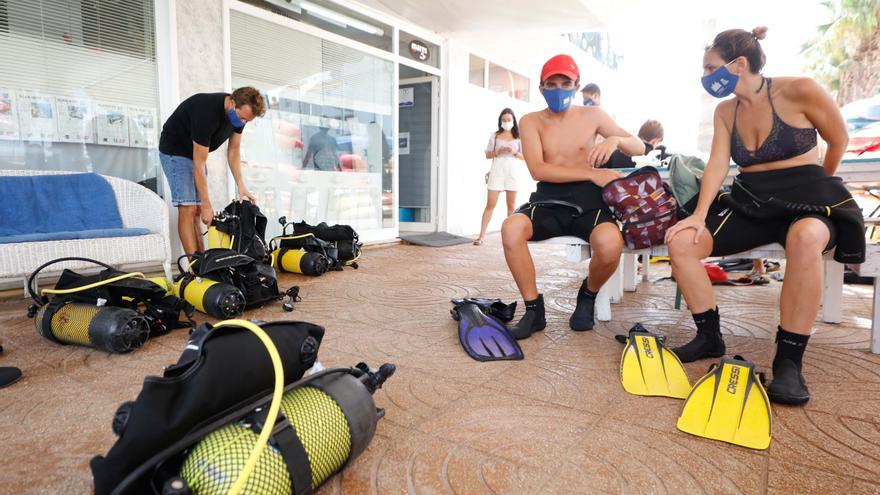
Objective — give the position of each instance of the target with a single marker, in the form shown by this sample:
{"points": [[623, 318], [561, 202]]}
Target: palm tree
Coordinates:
{"points": [[845, 54]]}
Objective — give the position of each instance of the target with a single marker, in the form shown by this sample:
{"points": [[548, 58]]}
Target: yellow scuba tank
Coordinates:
{"points": [[300, 261], [213, 298], [107, 328], [164, 283], [217, 239]]}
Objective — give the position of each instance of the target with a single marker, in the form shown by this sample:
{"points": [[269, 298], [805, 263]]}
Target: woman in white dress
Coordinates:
{"points": [[505, 150]]}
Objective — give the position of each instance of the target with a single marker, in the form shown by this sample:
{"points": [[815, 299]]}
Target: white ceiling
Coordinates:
{"points": [[513, 16]]}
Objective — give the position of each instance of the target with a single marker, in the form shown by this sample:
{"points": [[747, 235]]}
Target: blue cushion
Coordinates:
{"points": [[73, 234], [45, 204]]}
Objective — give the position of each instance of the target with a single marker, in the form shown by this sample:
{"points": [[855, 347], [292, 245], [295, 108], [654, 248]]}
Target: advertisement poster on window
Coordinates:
{"points": [[111, 124], [75, 120], [36, 117], [142, 127], [403, 143], [8, 115], [407, 98]]}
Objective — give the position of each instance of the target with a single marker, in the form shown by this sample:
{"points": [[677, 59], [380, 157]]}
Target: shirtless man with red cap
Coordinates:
{"points": [[561, 153]]}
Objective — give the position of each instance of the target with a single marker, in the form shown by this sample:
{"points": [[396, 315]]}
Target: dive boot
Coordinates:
{"points": [[532, 321], [788, 385], [583, 317], [707, 343]]}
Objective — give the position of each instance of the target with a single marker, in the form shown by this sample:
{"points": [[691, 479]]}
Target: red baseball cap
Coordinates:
{"points": [[560, 64]]}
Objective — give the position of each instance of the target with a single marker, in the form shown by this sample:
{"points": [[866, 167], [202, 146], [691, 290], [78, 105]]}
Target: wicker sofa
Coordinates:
{"points": [[138, 207]]}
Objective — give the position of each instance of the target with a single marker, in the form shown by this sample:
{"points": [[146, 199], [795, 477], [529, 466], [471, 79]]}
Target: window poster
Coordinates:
{"points": [[143, 127], [111, 124], [8, 115], [36, 117], [75, 120]]}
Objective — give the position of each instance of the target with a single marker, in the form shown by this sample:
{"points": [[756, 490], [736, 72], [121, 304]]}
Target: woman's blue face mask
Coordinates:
{"points": [[720, 83]]}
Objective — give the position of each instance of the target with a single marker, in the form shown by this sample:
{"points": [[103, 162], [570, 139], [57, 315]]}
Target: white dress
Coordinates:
{"points": [[505, 168]]}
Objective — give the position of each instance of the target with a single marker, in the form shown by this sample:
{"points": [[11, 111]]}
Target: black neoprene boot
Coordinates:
{"points": [[532, 321], [583, 317], [788, 385], [708, 342]]}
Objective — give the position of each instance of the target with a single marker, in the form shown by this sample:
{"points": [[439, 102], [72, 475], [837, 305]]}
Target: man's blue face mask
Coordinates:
{"points": [[721, 82], [588, 102], [558, 99], [234, 120]]}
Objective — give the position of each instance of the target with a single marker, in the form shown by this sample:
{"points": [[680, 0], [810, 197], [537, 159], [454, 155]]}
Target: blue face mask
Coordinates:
{"points": [[559, 99], [588, 102], [233, 119], [721, 82]]}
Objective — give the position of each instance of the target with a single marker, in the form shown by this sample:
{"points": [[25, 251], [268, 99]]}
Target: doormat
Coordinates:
{"points": [[436, 239]]}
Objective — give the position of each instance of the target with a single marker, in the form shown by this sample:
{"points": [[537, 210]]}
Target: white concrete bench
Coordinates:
{"points": [[625, 278]]}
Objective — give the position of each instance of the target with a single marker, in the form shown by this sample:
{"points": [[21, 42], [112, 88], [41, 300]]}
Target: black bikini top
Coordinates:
{"points": [[783, 142]]}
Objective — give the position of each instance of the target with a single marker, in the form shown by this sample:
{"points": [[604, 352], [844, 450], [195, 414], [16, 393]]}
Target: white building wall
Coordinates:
{"points": [[201, 70]]}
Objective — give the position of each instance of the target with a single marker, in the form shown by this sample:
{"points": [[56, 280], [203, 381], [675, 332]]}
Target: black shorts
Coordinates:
{"points": [[558, 221], [735, 232]]}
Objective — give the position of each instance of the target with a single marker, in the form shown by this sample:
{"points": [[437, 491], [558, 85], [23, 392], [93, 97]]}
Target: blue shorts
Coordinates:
{"points": [[181, 179]]}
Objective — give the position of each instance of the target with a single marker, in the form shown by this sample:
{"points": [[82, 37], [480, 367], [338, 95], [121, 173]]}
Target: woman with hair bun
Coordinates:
{"points": [[781, 195]]}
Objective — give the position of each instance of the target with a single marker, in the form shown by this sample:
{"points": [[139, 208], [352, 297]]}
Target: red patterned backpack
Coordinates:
{"points": [[644, 204]]}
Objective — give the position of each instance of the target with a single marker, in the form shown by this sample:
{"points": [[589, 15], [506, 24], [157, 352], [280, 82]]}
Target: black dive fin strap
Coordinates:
{"points": [[578, 211]]}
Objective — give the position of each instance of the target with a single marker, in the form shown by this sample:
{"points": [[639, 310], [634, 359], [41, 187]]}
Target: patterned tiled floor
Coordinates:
{"points": [[557, 422]]}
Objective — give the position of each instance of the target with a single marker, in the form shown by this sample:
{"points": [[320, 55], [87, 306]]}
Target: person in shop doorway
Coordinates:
{"points": [[323, 151], [505, 151], [199, 125]]}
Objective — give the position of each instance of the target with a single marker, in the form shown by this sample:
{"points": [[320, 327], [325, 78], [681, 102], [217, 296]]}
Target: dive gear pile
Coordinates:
{"points": [[222, 369], [240, 227], [328, 419], [314, 249], [204, 428], [728, 404], [113, 311], [235, 272]]}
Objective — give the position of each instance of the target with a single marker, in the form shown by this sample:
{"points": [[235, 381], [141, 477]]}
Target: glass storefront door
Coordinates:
{"points": [[417, 150], [323, 151]]}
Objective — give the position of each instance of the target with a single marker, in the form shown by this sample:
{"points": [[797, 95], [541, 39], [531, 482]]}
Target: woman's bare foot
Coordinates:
{"points": [[478, 241]]}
